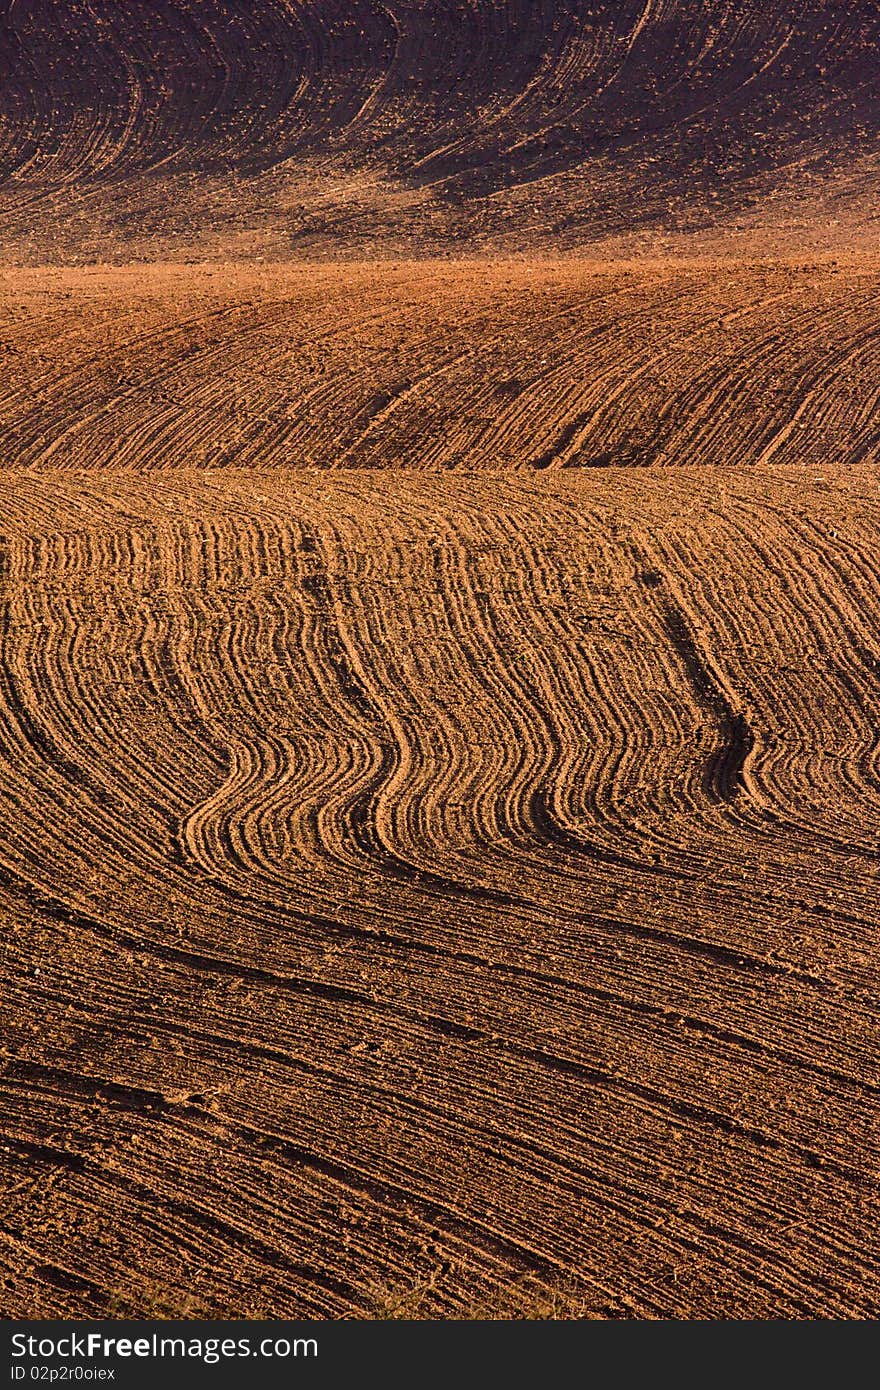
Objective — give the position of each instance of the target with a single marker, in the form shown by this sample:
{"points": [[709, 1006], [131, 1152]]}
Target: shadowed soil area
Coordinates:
{"points": [[385, 127]]}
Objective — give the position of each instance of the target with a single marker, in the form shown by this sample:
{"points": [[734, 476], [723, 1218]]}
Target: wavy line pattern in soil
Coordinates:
{"points": [[439, 595], [373, 921]]}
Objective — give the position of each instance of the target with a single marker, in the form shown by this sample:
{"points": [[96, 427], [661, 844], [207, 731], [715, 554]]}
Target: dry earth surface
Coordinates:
{"points": [[439, 659]]}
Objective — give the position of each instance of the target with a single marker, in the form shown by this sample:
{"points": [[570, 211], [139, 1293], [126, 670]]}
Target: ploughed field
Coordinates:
{"points": [[439, 659], [421, 365], [458, 890], [179, 128]]}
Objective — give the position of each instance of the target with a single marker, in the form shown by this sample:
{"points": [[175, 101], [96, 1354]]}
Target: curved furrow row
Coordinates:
{"points": [[830, 725], [387, 1055]]}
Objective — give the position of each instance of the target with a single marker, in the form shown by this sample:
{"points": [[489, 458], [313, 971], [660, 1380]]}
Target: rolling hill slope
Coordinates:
{"points": [[324, 127]]}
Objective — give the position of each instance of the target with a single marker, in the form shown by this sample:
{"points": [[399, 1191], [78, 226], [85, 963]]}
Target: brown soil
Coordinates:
{"points": [[281, 128], [533, 366], [439, 765]]}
